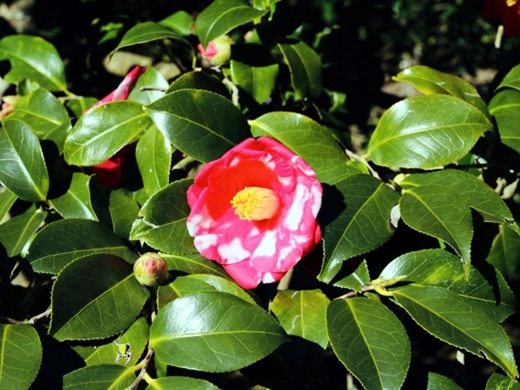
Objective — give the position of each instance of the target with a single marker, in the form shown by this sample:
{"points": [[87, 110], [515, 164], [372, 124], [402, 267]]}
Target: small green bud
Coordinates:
{"points": [[150, 269], [218, 51]]}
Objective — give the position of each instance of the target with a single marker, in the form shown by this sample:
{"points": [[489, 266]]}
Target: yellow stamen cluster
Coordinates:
{"points": [[510, 3], [255, 203]]}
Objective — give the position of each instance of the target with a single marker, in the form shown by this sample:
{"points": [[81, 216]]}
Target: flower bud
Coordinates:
{"points": [[7, 105], [150, 269], [218, 51]]}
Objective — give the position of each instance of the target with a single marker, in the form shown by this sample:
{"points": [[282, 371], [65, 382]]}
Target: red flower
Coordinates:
{"points": [[507, 11], [110, 172], [254, 211]]}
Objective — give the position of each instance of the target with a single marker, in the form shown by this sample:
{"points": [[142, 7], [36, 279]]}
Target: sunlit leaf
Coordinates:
{"points": [[180, 22], [180, 382], [194, 264], [76, 202], [7, 199], [257, 81], [199, 80], [123, 212], [439, 382], [505, 107], [19, 230], [498, 381], [357, 279], [505, 252], [154, 84], [101, 377], [512, 79]]}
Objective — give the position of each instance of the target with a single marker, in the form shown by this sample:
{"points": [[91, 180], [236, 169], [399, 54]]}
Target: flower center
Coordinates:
{"points": [[255, 203], [510, 3]]}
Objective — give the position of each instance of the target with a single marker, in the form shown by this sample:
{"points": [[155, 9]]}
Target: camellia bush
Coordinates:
{"points": [[183, 232]]}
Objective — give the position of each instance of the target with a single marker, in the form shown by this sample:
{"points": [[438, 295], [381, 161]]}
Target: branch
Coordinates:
{"points": [[30, 321], [144, 365], [352, 294]]}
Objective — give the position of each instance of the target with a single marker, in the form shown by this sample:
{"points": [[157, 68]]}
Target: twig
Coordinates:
{"points": [[144, 365], [31, 321], [354, 156], [354, 293], [285, 281]]}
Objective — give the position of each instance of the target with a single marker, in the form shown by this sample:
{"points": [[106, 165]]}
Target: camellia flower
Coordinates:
{"points": [[507, 11], [254, 211], [218, 51]]}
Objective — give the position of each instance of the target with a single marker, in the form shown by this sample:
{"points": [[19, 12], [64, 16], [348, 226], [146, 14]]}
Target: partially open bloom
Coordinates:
{"points": [[7, 107], [254, 211], [218, 50], [150, 269], [506, 11]]}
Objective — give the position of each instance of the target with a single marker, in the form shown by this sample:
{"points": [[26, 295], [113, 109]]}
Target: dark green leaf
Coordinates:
{"points": [[21, 353], [151, 78], [80, 104], [180, 382], [439, 382], [454, 320], [222, 16], [199, 80], [102, 131], [305, 67], [357, 279], [102, 377], [123, 212], [7, 199], [181, 22], [64, 241], [363, 223], [512, 79], [196, 332], [505, 252], [95, 297], [162, 222], [35, 59], [505, 107], [18, 231], [23, 168], [257, 81], [370, 341], [426, 132], [303, 314], [202, 124], [76, 202], [498, 381], [308, 139], [194, 264]]}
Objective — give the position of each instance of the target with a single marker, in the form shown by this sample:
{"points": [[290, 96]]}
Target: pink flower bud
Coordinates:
{"points": [[150, 269], [218, 50], [7, 107]]}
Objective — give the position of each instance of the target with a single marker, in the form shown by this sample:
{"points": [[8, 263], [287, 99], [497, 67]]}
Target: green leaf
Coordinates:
{"points": [[147, 32], [512, 79], [136, 337], [201, 124], [221, 16], [505, 107], [452, 319], [64, 241], [7, 199], [370, 341], [257, 81], [363, 223], [439, 382], [44, 114], [18, 231], [426, 132], [79, 104], [154, 154], [498, 381], [357, 279], [76, 202], [303, 314], [305, 67], [441, 213], [194, 264], [199, 80], [486, 289], [95, 297], [505, 252], [101, 377], [430, 81], [151, 78], [123, 212], [308, 139], [162, 222], [181, 22], [102, 131], [180, 382], [35, 59], [196, 332], [23, 168], [477, 194], [21, 353]]}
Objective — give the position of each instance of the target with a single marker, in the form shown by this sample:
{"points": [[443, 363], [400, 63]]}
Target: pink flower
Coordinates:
{"points": [[254, 211], [218, 51], [507, 11]]}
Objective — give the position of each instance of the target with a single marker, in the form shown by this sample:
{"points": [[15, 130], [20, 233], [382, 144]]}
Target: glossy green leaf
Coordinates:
{"points": [[19, 230], [79, 104], [76, 202], [136, 336], [199, 80], [370, 341], [181, 22], [21, 353], [7, 199], [201, 124], [35, 59], [486, 289], [154, 154], [505, 252], [441, 213], [44, 114], [162, 222], [123, 212], [221, 16], [305, 67], [357, 279], [477, 194], [257, 81], [505, 107], [196, 332], [498, 381], [155, 84], [147, 32], [430, 81], [426, 132], [194, 264], [512, 79], [23, 168], [101, 377], [439, 382], [180, 382], [95, 297], [103, 131], [363, 223], [308, 139], [303, 314], [452, 319], [64, 241]]}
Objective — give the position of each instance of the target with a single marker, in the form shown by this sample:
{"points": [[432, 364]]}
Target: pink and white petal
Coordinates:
{"points": [[246, 276]]}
